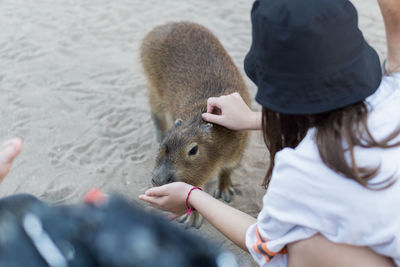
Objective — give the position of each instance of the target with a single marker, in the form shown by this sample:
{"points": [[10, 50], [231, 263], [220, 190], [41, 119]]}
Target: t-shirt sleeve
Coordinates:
{"points": [[273, 252], [257, 246]]}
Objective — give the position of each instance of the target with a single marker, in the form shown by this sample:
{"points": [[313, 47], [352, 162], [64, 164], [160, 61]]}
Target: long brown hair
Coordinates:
{"points": [[347, 124]]}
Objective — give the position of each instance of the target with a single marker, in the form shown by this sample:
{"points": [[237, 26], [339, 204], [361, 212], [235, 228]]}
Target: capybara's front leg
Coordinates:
{"points": [[159, 118], [195, 219], [225, 189], [159, 124]]}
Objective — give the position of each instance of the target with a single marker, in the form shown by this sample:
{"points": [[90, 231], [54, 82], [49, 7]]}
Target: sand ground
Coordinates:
{"points": [[72, 87]]}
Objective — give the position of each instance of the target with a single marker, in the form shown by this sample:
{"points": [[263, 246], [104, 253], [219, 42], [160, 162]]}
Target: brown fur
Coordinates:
{"points": [[185, 65]]}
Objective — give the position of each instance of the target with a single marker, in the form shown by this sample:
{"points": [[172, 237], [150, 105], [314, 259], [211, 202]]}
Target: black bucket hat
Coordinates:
{"points": [[308, 56]]}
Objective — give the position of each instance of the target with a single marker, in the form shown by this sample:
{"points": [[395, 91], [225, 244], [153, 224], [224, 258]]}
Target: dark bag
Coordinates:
{"points": [[117, 233]]}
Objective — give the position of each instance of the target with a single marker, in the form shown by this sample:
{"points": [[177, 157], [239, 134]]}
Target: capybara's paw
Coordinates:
{"points": [[160, 136], [195, 219], [225, 194]]}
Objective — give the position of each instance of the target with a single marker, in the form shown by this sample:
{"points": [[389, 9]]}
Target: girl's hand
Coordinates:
{"points": [[232, 112], [169, 197]]}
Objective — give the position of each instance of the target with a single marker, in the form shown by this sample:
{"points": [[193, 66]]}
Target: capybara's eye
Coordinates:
{"points": [[193, 151]]}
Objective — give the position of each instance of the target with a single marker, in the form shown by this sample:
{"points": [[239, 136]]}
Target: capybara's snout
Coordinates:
{"points": [[163, 174]]}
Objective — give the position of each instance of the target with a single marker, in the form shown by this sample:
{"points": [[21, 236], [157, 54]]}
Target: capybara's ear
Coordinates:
{"points": [[177, 122], [207, 128]]}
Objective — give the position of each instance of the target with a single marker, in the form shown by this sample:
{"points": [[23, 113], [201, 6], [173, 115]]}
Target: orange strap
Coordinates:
{"points": [[261, 247], [96, 197]]}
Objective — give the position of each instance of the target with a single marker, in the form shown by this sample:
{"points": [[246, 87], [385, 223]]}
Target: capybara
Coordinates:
{"points": [[185, 64]]}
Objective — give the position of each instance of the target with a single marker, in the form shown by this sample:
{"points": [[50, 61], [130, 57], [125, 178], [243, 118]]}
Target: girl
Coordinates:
{"points": [[331, 124]]}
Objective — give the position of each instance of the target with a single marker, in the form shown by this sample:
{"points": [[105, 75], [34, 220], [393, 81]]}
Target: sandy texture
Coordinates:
{"points": [[71, 85]]}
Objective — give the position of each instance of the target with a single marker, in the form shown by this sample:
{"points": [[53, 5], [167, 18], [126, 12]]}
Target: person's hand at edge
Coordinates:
{"points": [[232, 112], [8, 151]]}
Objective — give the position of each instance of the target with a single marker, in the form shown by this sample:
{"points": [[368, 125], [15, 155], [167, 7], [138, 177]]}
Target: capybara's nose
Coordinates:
{"points": [[154, 182], [157, 181], [163, 176], [171, 179], [166, 179]]}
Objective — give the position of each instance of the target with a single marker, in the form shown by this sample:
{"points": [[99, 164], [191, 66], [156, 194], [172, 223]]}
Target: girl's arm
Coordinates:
{"points": [[229, 221], [391, 16]]}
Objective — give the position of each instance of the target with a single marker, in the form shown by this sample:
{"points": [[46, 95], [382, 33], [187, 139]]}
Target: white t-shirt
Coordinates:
{"points": [[306, 197]]}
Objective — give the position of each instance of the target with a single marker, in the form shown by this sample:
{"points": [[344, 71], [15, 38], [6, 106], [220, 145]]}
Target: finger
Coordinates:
{"points": [[8, 152], [212, 118], [236, 95], [158, 191], [213, 102], [147, 198], [172, 216], [153, 201], [10, 149]]}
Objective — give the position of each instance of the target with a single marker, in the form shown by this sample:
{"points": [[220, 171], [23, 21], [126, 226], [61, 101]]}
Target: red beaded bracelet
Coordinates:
{"points": [[190, 209]]}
